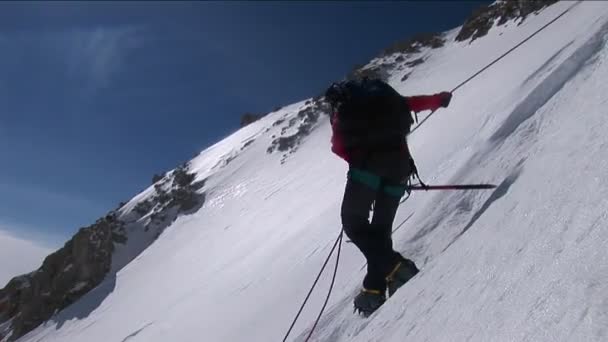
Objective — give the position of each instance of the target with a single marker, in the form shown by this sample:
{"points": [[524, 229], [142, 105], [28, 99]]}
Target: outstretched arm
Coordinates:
{"points": [[428, 102]]}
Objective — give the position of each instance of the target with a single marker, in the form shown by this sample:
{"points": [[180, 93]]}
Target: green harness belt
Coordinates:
{"points": [[375, 182]]}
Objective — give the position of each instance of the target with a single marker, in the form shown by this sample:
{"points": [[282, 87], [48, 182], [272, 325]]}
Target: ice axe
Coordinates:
{"points": [[442, 187], [451, 187]]}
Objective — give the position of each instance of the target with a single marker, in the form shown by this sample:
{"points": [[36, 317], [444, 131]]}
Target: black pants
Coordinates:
{"points": [[372, 238]]}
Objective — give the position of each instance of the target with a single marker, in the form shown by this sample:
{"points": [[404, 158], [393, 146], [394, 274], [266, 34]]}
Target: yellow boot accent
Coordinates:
{"points": [[389, 277], [376, 292]]}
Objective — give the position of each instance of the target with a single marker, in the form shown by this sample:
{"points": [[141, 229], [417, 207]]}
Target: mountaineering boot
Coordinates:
{"points": [[401, 274], [368, 301]]}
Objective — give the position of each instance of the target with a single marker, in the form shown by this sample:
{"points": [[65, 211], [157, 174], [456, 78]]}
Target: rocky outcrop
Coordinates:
{"points": [[500, 12], [405, 55], [249, 118], [303, 123], [67, 274], [175, 194], [375, 72], [399, 56], [177, 191], [415, 44], [86, 259], [156, 178]]}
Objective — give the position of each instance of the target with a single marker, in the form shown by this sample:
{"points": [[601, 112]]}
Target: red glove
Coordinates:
{"points": [[446, 97], [429, 102]]}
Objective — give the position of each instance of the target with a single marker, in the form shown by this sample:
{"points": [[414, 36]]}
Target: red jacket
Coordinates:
{"points": [[390, 164], [415, 103], [424, 102]]}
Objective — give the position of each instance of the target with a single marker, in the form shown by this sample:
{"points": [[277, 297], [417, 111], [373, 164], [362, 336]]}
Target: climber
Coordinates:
{"points": [[370, 121]]}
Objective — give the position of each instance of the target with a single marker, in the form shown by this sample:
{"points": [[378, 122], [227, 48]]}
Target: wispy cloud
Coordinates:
{"points": [[18, 256], [99, 54], [93, 55], [46, 216]]}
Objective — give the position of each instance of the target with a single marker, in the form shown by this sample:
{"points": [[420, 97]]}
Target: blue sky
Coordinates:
{"points": [[96, 97]]}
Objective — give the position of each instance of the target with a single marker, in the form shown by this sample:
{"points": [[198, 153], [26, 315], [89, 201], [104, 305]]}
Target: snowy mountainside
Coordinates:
{"points": [[526, 261], [248, 222]]}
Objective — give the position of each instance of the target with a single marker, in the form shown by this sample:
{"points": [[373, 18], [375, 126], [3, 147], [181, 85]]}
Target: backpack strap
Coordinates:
{"points": [[415, 174], [414, 168]]}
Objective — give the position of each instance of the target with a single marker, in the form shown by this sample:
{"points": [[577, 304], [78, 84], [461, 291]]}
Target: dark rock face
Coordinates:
{"points": [[183, 194], [415, 43], [175, 194], [67, 274], [249, 118], [156, 178], [305, 122], [482, 20], [375, 72], [86, 259], [406, 50], [415, 62]]}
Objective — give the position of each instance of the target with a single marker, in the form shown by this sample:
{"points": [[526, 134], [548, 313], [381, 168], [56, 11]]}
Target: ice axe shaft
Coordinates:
{"points": [[452, 187]]}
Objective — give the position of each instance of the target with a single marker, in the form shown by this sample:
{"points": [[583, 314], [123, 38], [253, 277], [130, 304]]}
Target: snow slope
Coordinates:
{"points": [[524, 262]]}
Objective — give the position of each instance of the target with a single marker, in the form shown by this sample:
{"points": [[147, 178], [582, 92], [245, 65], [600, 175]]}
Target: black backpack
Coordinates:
{"points": [[368, 114]]}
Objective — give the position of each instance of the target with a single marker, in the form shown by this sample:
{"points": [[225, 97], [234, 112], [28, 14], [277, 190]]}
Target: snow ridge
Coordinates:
{"points": [[524, 262]]}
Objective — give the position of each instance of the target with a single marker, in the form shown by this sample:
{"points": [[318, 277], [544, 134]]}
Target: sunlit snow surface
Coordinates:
{"points": [[524, 262]]}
